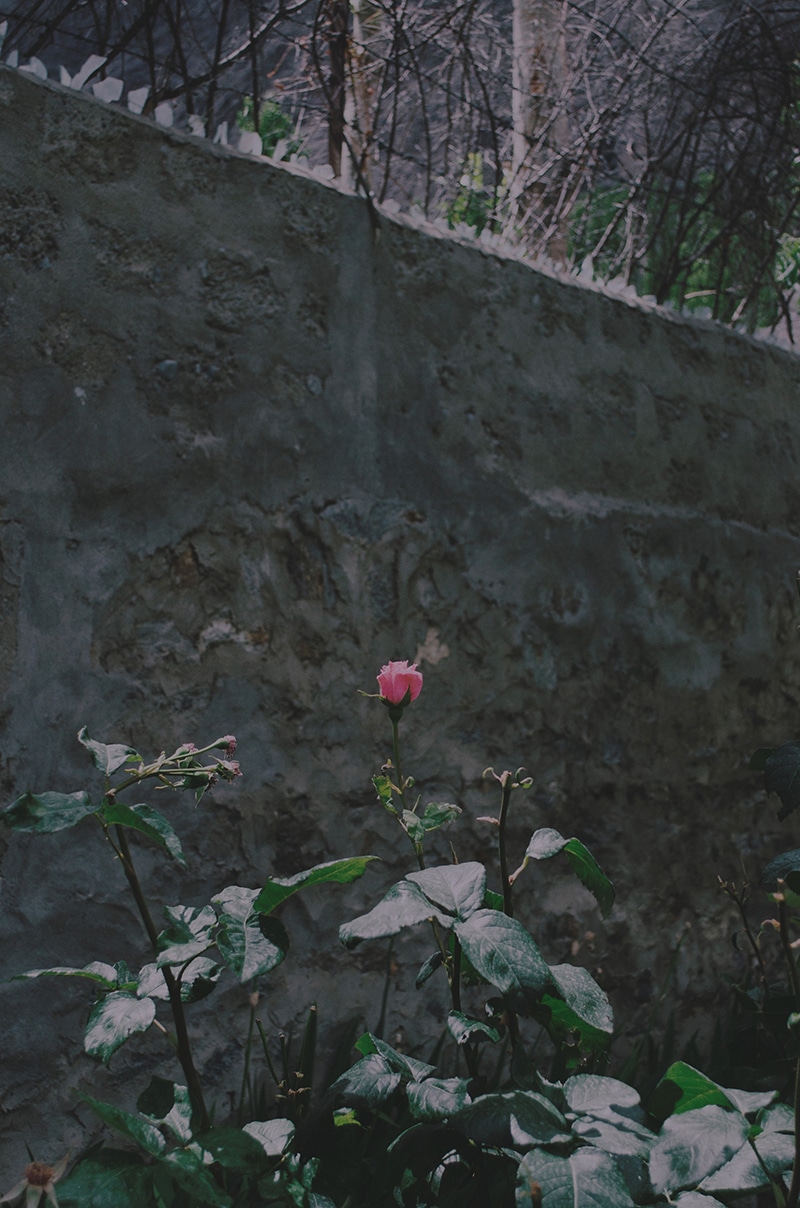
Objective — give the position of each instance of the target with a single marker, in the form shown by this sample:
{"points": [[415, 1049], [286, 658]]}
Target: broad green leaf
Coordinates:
{"points": [[782, 776], [234, 1149], [189, 1172], [147, 821], [413, 825], [502, 951], [45, 813], [274, 1136], [583, 996], [777, 1118], [141, 1131], [692, 1145], [369, 1082], [108, 1178], [97, 971], [405, 1065], [744, 1172], [461, 1027], [683, 1089], [437, 1098], [248, 943], [695, 1199], [404, 905], [108, 757], [590, 874], [334, 872], [492, 1119], [439, 813], [544, 843], [493, 901], [588, 1178], [780, 867], [615, 1133], [457, 889], [188, 934], [197, 980], [750, 1102], [115, 1018], [593, 1092]]}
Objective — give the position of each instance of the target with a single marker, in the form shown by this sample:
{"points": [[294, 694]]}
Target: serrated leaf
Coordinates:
{"points": [[457, 889], [334, 872], [461, 1027], [409, 1067], [581, 993], [694, 1144], [109, 1178], [141, 1131], [744, 1172], [113, 1019], [368, 1083], [188, 935], [107, 757], [46, 813], [488, 1119], [587, 1178], [437, 1098], [274, 1136], [782, 776], [147, 821], [502, 951], [403, 906], [590, 874], [189, 1172], [233, 1148], [593, 1092], [249, 943], [97, 971]]}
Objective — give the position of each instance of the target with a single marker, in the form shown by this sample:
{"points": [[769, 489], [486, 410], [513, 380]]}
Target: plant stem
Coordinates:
{"points": [[396, 750], [173, 985], [246, 1072], [507, 782]]}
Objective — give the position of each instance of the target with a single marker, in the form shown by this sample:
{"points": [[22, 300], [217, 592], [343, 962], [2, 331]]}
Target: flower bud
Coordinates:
{"points": [[399, 683]]}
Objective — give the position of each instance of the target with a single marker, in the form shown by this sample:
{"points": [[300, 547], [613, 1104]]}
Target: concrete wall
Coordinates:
{"points": [[251, 449]]}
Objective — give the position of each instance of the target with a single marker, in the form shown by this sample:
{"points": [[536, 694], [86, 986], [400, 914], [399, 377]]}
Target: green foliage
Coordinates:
{"points": [[274, 125], [473, 202]]}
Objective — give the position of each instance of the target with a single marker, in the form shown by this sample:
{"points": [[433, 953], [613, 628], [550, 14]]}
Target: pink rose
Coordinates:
{"points": [[399, 683]]}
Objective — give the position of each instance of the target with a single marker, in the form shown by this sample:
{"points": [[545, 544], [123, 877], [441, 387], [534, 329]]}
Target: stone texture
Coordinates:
{"points": [[252, 449]]}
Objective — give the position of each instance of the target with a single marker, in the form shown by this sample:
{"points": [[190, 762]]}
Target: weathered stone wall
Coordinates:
{"points": [[251, 449]]}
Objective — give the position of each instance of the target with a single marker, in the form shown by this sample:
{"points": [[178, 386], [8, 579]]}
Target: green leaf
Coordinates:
{"points": [[457, 889], [108, 1178], [758, 760], [428, 967], [750, 1102], [107, 757], [437, 1098], [493, 901], [593, 1092], [370, 1082], [141, 1131], [581, 993], [588, 1178], [234, 1149], [44, 813], [274, 1136], [248, 943], [197, 980], [777, 1118], [383, 787], [501, 950], [189, 1172], [413, 825], [461, 1027], [404, 905], [97, 971], [407, 1066], [694, 1144], [544, 843], [695, 1199], [158, 1098], [147, 821], [615, 1133], [744, 1172], [188, 933], [334, 872], [590, 874], [115, 1018], [779, 868], [684, 1089], [499, 1119], [782, 776]]}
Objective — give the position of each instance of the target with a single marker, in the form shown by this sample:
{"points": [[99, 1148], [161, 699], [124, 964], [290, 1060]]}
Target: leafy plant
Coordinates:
{"points": [[274, 126]]}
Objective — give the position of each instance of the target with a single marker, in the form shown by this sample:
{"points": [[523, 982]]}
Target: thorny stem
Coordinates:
{"points": [[173, 985]]}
